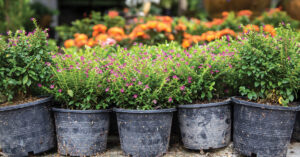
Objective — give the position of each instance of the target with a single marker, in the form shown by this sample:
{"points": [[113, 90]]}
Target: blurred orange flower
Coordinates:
{"points": [[245, 13], [180, 27], [101, 37], [113, 13], [151, 24], [274, 10], [249, 27], [171, 37], [69, 43], [80, 39], [185, 43], [113, 31], [91, 42], [270, 29], [225, 14], [163, 27], [100, 28]]}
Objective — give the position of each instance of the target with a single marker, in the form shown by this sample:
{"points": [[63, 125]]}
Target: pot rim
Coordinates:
{"points": [[264, 106], [121, 110], [215, 104], [54, 109], [29, 104]]}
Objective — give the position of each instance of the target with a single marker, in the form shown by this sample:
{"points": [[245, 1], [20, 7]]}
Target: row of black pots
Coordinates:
{"points": [[258, 129]]}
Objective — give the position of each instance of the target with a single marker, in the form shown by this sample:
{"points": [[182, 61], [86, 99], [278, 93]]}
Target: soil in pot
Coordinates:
{"points": [[262, 130], [22, 101], [205, 126], [27, 128], [144, 133], [81, 133]]}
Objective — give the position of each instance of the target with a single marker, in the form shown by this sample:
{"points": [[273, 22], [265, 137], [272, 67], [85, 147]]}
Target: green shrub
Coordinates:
{"points": [[22, 63], [268, 69], [80, 79]]}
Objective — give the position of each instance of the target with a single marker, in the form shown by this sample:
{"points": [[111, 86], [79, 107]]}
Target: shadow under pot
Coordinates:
{"points": [[205, 126], [27, 128], [144, 133], [81, 132], [262, 130], [296, 133]]}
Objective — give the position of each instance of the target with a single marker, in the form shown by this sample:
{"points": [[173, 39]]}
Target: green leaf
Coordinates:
{"points": [[291, 98], [25, 79], [256, 84], [250, 96], [249, 73], [203, 95], [70, 93]]}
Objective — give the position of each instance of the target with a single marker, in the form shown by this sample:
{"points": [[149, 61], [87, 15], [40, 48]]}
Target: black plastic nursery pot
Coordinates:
{"points": [[81, 132], [262, 130], [205, 126], [27, 128], [144, 133], [296, 133]]}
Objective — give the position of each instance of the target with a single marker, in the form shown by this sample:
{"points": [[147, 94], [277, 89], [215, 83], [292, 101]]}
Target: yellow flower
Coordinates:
{"points": [[280, 100]]}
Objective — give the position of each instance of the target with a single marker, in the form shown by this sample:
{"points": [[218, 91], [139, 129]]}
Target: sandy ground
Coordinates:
{"points": [[177, 150]]}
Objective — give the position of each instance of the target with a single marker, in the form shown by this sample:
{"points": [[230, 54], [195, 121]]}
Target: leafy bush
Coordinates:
{"points": [[155, 77], [22, 63], [276, 17], [80, 79], [269, 67]]}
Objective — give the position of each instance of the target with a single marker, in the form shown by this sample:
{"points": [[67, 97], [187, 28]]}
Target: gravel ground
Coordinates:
{"points": [[177, 150]]}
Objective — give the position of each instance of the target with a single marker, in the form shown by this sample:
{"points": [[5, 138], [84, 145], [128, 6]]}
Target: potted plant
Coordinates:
{"points": [[26, 124], [141, 91], [79, 84], [268, 76], [204, 112]]}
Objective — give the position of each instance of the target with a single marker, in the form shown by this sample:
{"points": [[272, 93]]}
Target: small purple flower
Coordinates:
{"points": [[32, 19], [154, 101], [146, 87], [182, 87], [122, 90], [135, 96], [52, 86], [39, 85], [48, 64], [170, 99], [189, 79], [81, 58], [107, 89], [59, 90], [175, 77]]}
